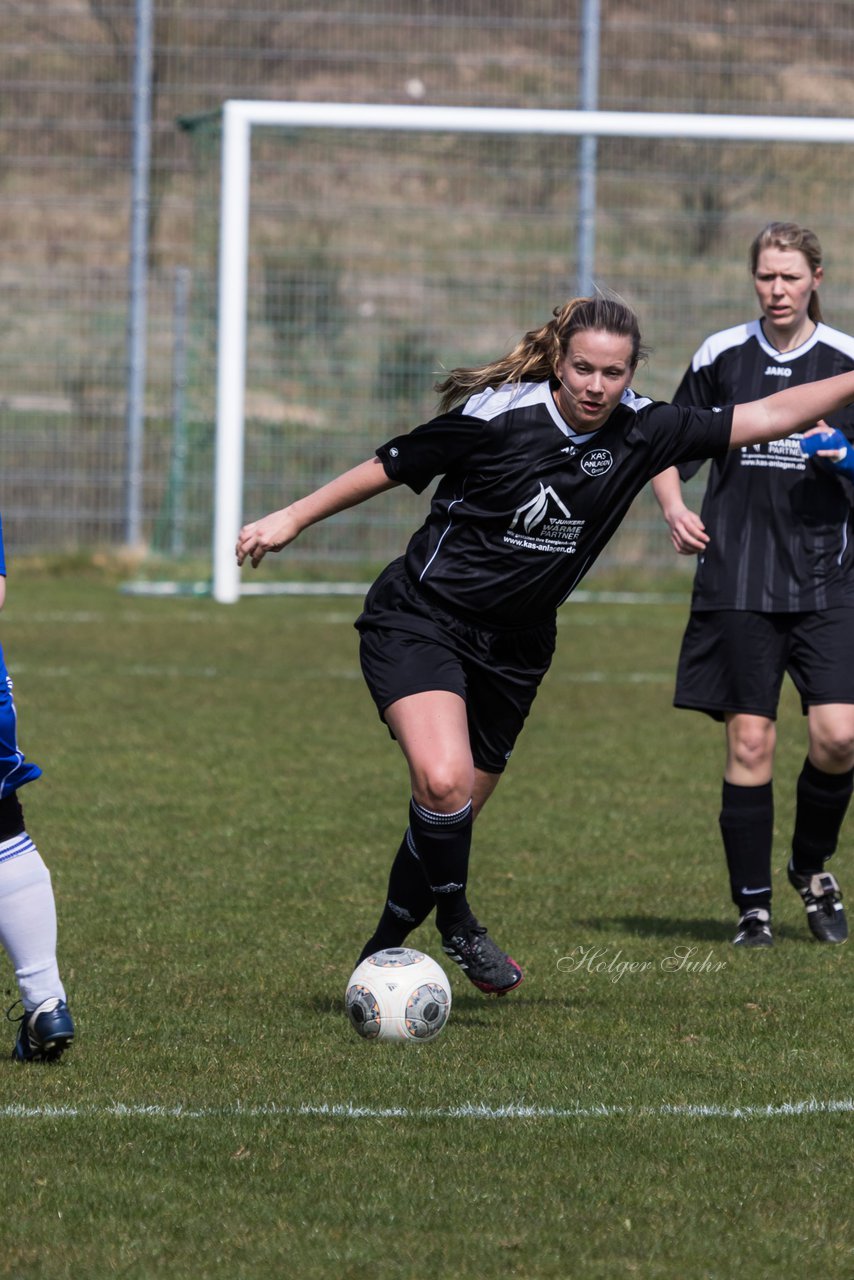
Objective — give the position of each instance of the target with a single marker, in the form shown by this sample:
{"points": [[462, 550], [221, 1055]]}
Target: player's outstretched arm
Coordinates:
{"points": [[794, 409], [687, 531], [276, 530]]}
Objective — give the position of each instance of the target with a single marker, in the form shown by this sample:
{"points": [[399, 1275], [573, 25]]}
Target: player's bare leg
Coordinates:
{"points": [[432, 730]]}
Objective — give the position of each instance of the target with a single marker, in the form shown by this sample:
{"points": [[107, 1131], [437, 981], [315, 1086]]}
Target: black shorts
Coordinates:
{"points": [[411, 645], [733, 660]]}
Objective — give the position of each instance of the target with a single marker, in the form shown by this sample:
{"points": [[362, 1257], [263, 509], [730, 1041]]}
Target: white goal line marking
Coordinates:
{"points": [[469, 1111]]}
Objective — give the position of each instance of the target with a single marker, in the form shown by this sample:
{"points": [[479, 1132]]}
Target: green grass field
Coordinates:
{"points": [[219, 808]]}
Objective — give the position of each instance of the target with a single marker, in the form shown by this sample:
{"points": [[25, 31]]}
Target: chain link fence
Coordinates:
{"points": [[375, 261]]}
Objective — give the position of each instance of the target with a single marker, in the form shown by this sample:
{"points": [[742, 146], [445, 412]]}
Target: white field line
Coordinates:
{"points": [[67, 617], [202, 589], [142, 671], [469, 1111]]}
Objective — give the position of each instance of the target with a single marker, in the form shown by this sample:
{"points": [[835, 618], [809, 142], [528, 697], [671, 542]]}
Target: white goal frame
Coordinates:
{"points": [[240, 117]]}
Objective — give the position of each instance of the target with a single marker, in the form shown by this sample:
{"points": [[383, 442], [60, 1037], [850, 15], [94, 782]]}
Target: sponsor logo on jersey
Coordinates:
{"points": [[778, 371], [544, 523], [778, 455], [533, 513], [597, 462]]}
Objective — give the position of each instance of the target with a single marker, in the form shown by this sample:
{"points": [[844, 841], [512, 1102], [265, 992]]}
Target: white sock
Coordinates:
{"points": [[28, 920]]}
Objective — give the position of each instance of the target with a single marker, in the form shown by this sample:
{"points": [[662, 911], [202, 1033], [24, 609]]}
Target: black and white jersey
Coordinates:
{"points": [[524, 506], [780, 526]]}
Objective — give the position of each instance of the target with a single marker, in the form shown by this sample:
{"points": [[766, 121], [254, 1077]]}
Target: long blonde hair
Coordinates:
{"points": [[790, 236], [536, 355]]}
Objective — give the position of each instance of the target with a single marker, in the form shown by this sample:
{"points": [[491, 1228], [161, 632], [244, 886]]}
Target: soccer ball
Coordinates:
{"points": [[398, 994]]}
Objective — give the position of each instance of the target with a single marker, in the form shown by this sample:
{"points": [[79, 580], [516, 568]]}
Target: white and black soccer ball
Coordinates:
{"points": [[398, 994]]}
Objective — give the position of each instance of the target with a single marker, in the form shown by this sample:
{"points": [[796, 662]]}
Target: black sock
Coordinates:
{"points": [[822, 803], [443, 842], [408, 903], [747, 828]]}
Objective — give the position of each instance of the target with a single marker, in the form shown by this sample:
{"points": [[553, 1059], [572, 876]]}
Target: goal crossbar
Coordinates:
{"points": [[240, 116]]}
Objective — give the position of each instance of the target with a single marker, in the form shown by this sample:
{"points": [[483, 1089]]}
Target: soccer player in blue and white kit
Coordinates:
{"points": [[774, 587], [540, 455], [27, 908]]}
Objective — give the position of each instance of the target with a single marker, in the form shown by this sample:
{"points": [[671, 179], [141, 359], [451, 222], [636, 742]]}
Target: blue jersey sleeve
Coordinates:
{"points": [[2, 552]]}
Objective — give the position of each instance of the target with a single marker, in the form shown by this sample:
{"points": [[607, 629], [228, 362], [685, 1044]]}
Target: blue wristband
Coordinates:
{"points": [[830, 439]]}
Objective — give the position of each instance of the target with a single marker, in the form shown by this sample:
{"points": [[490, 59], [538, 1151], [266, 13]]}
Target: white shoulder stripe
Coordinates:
{"points": [[631, 400], [717, 343], [835, 338], [492, 402]]}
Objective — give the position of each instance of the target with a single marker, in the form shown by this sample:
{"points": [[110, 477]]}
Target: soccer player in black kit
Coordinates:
{"points": [[774, 589], [540, 455]]}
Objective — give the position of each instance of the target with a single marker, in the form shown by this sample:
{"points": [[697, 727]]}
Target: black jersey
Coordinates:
{"points": [[780, 526], [524, 506]]}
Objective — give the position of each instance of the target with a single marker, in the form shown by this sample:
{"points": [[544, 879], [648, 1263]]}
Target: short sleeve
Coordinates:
{"points": [[678, 435], [431, 450]]}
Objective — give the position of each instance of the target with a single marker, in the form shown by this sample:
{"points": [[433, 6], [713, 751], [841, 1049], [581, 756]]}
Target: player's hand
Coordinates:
{"points": [[270, 533], [687, 531], [838, 445]]}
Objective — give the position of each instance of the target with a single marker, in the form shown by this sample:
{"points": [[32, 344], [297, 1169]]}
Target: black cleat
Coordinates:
{"points": [[823, 900], [482, 960], [754, 929]]}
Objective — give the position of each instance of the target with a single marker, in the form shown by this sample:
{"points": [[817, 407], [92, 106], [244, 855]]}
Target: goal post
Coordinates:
{"points": [[240, 117]]}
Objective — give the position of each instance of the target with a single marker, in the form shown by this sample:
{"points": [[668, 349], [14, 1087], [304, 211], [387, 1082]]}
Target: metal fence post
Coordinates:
{"points": [[138, 273]]}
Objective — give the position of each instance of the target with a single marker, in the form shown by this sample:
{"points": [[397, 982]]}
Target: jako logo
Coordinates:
{"points": [[777, 371], [597, 462]]}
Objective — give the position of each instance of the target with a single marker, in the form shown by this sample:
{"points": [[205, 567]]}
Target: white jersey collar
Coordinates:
{"points": [[782, 357]]}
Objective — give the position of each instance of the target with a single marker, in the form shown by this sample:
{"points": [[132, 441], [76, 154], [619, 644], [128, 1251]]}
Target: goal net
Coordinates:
{"points": [[346, 255]]}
